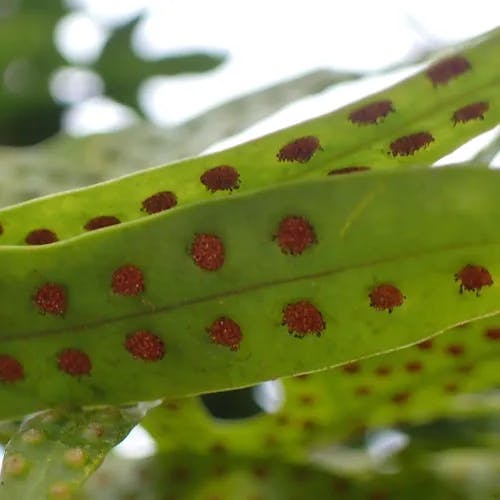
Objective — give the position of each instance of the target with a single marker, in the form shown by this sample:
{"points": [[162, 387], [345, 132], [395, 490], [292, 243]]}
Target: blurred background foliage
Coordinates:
{"points": [[29, 59]]}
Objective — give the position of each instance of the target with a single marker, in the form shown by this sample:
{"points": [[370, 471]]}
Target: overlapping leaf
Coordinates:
{"points": [[394, 133], [55, 451], [368, 231]]}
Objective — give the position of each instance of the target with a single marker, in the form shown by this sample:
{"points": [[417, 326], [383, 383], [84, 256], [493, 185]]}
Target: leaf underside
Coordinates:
{"points": [[369, 231]]}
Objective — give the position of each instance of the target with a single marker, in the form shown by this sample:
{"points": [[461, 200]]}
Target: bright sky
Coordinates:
{"points": [[266, 41]]}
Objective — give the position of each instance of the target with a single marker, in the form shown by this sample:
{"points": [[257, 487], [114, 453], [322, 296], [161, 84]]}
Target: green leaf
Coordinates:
{"points": [[232, 477], [415, 385], [427, 131], [55, 451], [74, 333], [28, 57], [46, 168]]}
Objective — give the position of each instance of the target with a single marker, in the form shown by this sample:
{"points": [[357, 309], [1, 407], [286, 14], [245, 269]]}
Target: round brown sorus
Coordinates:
{"points": [[383, 370], [470, 112], [492, 334], [450, 387], [128, 280], [225, 331], [207, 252], [295, 234], [400, 397], [363, 390], [159, 202], [301, 149], [445, 70], [473, 278], [371, 113], [455, 349], [74, 362], [352, 367], [303, 318], [145, 345], [221, 178], [307, 399], [413, 366], [386, 297], [41, 237], [51, 298], [348, 170], [10, 369], [100, 222], [410, 144], [425, 345]]}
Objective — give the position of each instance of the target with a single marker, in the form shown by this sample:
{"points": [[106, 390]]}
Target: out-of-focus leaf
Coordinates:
{"points": [[218, 475], [55, 451], [123, 70], [28, 56], [66, 162]]}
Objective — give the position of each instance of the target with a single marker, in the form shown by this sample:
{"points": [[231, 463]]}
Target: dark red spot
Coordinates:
{"points": [[222, 178], [159, 202], [470, 112], [101, 221], [386, 297], [74, 362], [352, 367], [145, 345], [51, 298], [282, 420], [303, 318], [309, 425], [425, 345], [271, 441], [10, 369], [455, 349], [348, 170], [400, 397], [172, 405], [383, 370], [307, 399], [409, 144], [445, 70], [371, 113], [260, 471], [207, 252], [465, 368], [218, 449], [41, 237], [300, 150], [451, 387], [358, 429], [180, 473], [473, 278], [413, 366], [295, 234], [340, 485], [1, 229], [225, 331], [493, 334], [363, 390], [128, 280]]}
